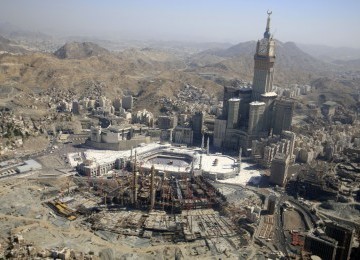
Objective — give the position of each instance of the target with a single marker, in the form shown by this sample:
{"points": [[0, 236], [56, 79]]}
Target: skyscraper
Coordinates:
{"points": [[250, 113], [256, 116], [264, 64], [283, 113], [229, 93], [233, 113]]}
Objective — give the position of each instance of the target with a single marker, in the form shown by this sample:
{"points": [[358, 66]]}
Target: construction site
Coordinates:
{"points": [[148, 203], [152, 207], [176, 209], [64, 214]]}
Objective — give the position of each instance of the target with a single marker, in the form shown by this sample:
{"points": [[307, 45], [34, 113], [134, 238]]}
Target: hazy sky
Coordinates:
{"points": [[330, 22]]}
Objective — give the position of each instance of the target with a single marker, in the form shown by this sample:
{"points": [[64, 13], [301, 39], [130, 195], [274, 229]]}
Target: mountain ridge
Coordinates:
{"points": [[10, 46], [329, 53], [80, 50], [292, 64]]}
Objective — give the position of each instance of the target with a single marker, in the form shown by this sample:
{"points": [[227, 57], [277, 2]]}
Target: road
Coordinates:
{"points": [[54, 151], [279, 236]]}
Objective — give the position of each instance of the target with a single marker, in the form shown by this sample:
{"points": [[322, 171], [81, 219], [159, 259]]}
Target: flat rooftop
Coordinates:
{"points": [[269, 94], [257, 103]]}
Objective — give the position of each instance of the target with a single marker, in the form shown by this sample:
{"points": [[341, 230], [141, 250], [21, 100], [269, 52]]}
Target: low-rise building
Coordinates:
{"points": [[29, 165]]}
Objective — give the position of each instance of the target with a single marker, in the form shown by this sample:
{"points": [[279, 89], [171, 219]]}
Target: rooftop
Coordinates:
{"points": [[29, 165], [330, 103], [269, 94], [257, 103]]}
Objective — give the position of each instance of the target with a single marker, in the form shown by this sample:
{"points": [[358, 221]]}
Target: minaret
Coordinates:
{"points": [[208, 146], [239, 159], [171, 136], [202, 142], [192, 167], [264, 64], [152, 190], [135, 182]]}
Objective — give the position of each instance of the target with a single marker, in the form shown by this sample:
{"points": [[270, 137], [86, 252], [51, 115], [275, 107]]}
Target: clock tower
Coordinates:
{"points": [[264, 59]]}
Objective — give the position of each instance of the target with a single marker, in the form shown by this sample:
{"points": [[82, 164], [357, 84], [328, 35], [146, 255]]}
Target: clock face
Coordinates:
{"points": [[263, 47]]}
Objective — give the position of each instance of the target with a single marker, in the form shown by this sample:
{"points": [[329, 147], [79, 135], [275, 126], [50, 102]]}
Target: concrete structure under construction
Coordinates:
{"points": [[334, 242], [321, 245], [343, 235], [171, 189]]}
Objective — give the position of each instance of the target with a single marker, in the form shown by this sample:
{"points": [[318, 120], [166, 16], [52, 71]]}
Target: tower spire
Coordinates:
{"points": [[267, 30]]}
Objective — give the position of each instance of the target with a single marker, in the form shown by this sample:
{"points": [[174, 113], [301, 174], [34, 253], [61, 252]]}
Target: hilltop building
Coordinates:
{"points": [[75, 107], [127, 102], [252, 113]]}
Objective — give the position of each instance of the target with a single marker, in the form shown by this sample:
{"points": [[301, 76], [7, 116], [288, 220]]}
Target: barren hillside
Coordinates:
{"points": [[150, 73]]}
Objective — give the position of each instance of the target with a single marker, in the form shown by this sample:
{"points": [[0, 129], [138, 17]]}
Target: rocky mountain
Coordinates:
{"points": [[80, 50], [145, 73], [15, 33], [328, 53], [351, 64], [340, 90], [238, 50], [149, 73], [292, 64], [4, 40], [9, 46]]}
